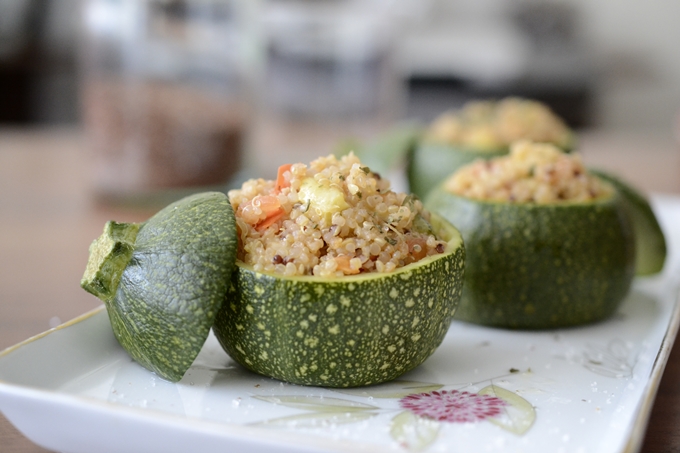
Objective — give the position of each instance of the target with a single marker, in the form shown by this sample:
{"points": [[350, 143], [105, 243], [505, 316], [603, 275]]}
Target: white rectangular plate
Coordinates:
{"points": [[590, 389]]}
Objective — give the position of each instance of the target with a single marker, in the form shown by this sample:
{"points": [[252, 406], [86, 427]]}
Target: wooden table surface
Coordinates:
{"points": [[48, 219]]}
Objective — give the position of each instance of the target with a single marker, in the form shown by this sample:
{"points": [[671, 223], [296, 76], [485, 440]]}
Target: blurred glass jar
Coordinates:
{"points": [[167, 91], [330, 76]]}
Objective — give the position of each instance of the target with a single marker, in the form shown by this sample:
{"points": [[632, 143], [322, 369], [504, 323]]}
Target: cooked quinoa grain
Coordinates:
{"points": [[334, 217], [493, 125], [532, 172]]}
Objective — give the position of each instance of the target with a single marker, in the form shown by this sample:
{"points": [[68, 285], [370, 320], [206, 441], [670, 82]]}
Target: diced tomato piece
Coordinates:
{"points": [[259, 209], [270, 220], [344, 266], [269, 204], [281, 182]]}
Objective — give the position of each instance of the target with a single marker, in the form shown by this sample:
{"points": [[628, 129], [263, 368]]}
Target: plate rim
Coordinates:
{"points": [[229, 430]]}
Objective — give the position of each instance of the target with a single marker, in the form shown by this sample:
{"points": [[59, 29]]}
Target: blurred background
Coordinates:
{"points": [[264, 82], [599, 63]]}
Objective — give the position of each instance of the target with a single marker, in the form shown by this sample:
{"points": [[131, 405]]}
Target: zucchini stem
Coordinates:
{"points": [[109, 256]]}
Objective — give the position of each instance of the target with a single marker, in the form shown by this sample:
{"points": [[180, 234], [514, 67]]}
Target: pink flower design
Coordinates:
{"points": [[453, 406]]}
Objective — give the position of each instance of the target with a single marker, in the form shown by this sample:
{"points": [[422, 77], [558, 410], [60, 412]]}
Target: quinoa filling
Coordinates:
{"points": [[332, 218], [532, 173], [494, 125]]}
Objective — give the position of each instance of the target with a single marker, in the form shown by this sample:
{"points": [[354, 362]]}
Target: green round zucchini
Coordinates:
{"points": [[343, 332], [162, 281], [532, 266]]}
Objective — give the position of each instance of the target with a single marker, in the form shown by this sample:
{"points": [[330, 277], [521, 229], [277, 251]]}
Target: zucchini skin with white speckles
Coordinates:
{"points": [[540, 266], [174, 283], [344, 332]]}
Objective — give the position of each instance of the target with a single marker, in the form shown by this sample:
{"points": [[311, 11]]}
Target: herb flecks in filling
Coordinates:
{"points": [[532, 173], [334, 217]]}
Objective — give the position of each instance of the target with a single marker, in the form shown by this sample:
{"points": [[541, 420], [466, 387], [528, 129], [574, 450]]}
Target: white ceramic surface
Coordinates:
{"points": [[590, 389]]}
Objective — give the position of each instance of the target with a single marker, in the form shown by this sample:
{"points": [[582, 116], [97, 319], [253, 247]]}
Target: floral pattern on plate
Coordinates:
{"points": [[421, 412]]}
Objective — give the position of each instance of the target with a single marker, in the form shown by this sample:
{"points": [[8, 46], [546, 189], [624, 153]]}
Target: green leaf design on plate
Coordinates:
{"points": [[317, 419], [317, 403], [518, 416], [392, 389], [413, 432]]}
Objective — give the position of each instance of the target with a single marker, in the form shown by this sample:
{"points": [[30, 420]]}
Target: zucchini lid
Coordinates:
{"points": [[650, 242], [163, 281]]}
